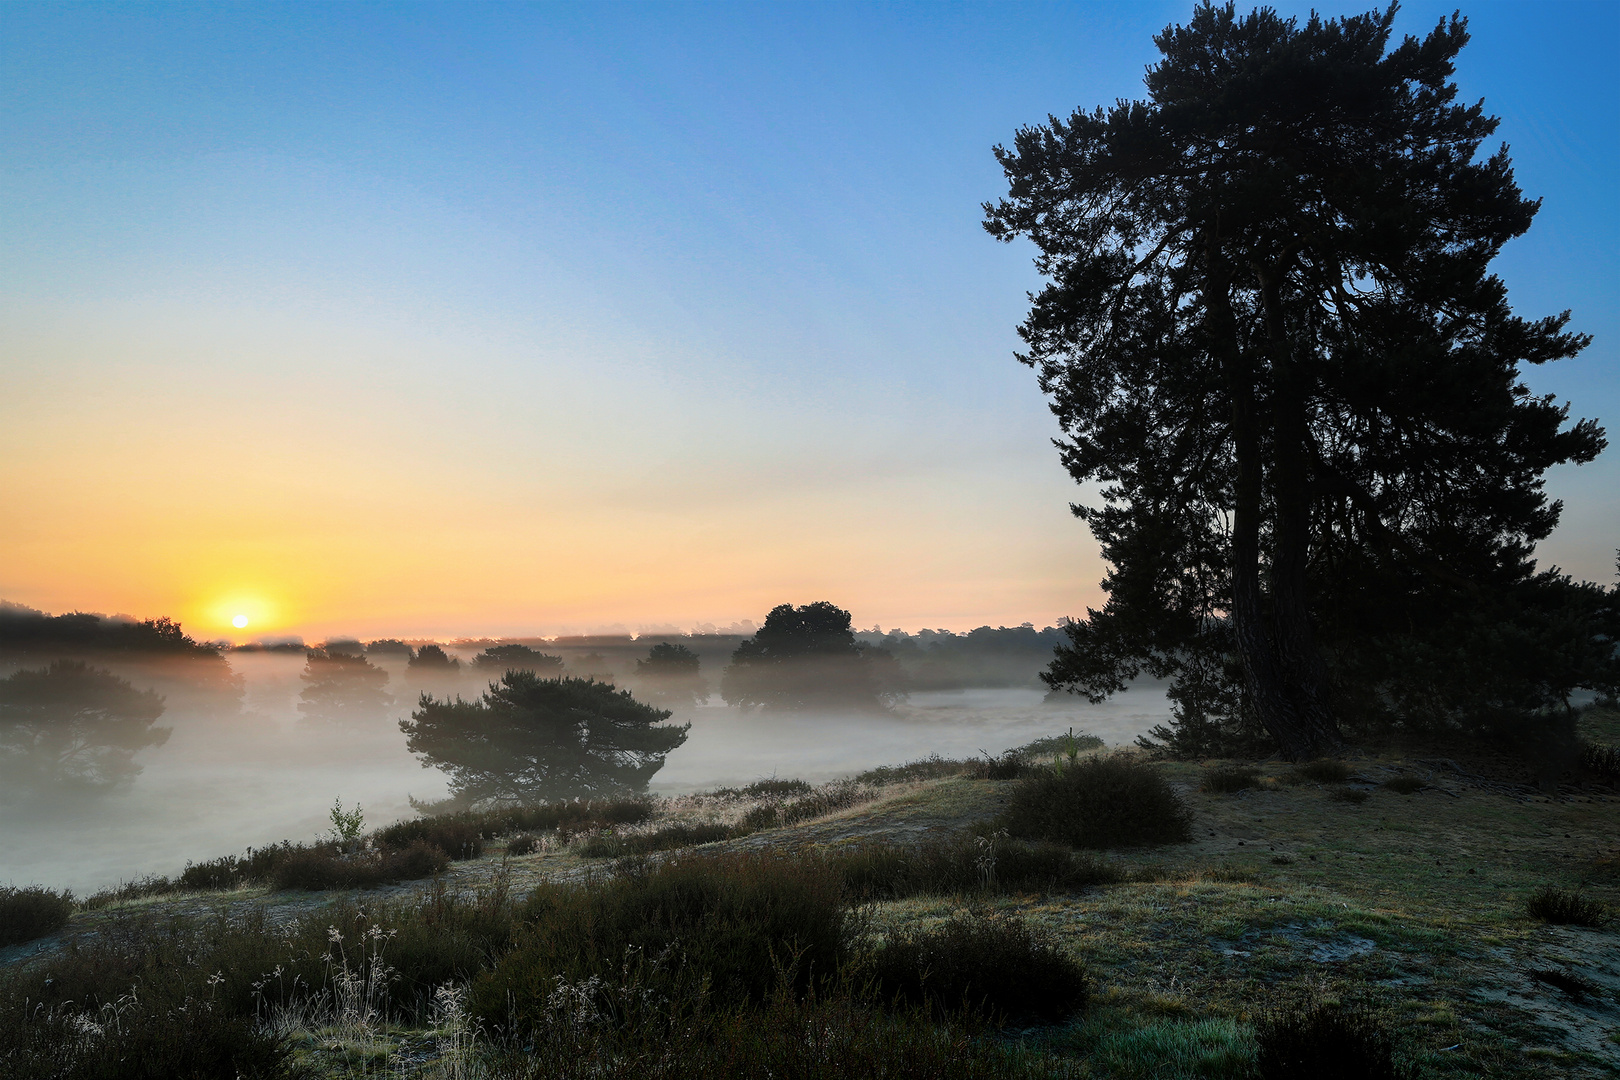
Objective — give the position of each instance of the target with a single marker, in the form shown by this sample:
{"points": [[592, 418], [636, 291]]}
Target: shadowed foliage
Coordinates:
{"points": [[70, 726], [1330, 1042], [503, 658], [671, 674], [530, 740], [1564, 907], [26, 914]]}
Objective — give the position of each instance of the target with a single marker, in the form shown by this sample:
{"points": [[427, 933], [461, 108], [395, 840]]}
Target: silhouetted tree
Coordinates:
{"points": [[518, 658], [671, 674], [807, 658], [430, 659], [1271, 337], [342, 688], [73, 725], [388, 647], [534, 740]]}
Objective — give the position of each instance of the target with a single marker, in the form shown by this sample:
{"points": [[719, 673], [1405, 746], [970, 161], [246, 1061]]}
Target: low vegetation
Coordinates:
{"points": [[33, 912], [1102, 802], [1226, 779], [1564, 907], [1327, 1041]]}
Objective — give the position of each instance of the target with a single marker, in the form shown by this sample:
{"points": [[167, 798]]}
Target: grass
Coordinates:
{"points": [[1326, 1041], [612, 845], [967, 865], [1105, 802], [1405, 785], [32, 912], [1564, 907]]}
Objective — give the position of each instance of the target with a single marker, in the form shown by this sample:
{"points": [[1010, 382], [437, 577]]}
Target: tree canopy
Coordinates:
{"points": [[1273, 343], [73, 725], [530, 740], [671, 674], [807, 658], [342, 687], [517, 658]]}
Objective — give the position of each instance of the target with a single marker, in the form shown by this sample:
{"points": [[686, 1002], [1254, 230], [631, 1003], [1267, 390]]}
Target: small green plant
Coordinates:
{"points": [[1565, 908], [1101, 802], [1332, 1042], [1405, 785], [1226, 779], [26, 914], [346, 825], [982, 963]]}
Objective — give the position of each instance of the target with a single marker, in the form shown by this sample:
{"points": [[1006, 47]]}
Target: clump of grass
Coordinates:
{"points": [[315, 869], [1405, 785], [523, 844], [611, 845], [32, 912], [1332, 1042], [1009, 766], [1101, 802], [966, 865], [1226, 779], [1354, 796], [1565, 908], [739, 923], [1321, 771], [981, 963], [1215, 1049]]}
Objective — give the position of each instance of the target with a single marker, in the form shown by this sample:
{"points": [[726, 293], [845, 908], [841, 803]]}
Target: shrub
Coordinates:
{"points": [[1322, 771], [26, 914], [523, 844], [827, 799], [1602, 761], [985, 963], [1355, 796], [1009, 766], [1064, 745], [1405, 785], [458, 836], [964, 864], [1565, 908], [1327, 1042], [610, 845], [774, 789], [932, 767], [742, 922], [315, 869], [1225, 779], [1099, 803]]}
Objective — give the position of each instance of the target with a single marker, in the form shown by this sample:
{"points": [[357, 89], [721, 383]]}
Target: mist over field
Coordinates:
{"points": [[252, 771]]}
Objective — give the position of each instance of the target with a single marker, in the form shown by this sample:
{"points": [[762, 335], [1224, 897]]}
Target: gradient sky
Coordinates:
{"points": [[462, 319]]}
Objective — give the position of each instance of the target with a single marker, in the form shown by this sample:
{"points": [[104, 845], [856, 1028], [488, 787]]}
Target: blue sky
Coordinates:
{"points": [[503, 318]]}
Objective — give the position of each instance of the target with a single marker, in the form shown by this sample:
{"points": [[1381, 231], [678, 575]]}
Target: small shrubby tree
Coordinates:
{"points": [[807, 658], [431, 659], [342, 688], [70, 725], [518, 658], [671, 675], [532, 740]]}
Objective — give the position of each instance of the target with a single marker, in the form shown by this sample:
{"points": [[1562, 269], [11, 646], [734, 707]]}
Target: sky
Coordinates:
{"points": [[443, 320]]}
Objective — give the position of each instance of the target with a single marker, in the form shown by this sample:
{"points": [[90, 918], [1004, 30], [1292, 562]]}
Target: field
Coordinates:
{"points": [[1349, 891]]}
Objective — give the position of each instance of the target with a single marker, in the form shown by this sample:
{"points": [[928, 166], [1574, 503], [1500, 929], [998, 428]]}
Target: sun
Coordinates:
{"points": [[240, 621]]}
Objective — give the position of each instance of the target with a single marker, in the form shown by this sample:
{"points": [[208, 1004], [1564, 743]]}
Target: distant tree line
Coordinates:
{"points": [[25, 631]]}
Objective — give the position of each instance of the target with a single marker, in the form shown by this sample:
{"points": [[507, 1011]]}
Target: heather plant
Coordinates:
{"points": [[1100, 802], [32, 912]]}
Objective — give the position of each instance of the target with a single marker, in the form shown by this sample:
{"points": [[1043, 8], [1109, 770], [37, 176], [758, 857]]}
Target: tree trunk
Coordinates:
{"points": [[1272, 702], [1302, 670]]}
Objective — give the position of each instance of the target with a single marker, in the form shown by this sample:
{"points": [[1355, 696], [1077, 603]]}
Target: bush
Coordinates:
{"points": [[1327, 1042], [1601, 761], [1061, 745], [315, 869], [772, 789], [1100, 802], [458, 836], [962, 865], [1009, 766], [742, 923], [1226, 779], [1405, 785], [1355, 796], [26, 914], [1565, 908], [932, 767], [610, 845], [1322, 771], [523, 844], [983, 963]]}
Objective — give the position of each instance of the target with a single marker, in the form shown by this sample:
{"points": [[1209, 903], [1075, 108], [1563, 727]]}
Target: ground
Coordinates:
{"points": [[1415, 900]]}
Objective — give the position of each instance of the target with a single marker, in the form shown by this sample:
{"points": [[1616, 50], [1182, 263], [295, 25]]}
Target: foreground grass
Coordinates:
{"points": [[1415, 903]]}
